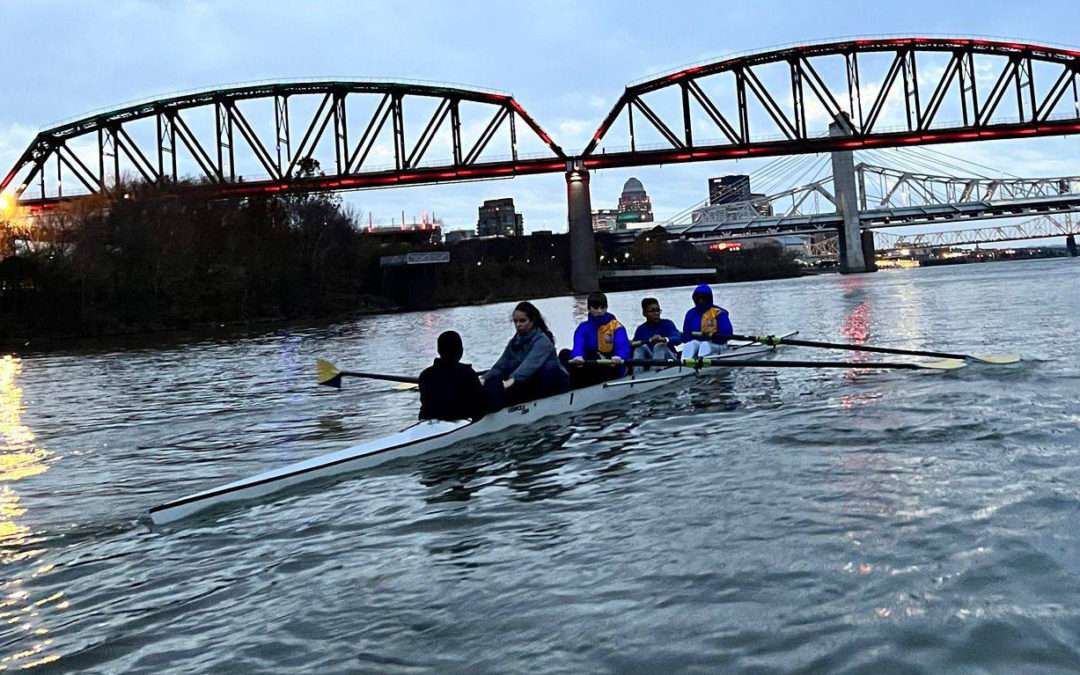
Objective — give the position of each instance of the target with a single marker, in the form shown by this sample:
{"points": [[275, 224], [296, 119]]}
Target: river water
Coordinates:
{"points": [[763, 521]]}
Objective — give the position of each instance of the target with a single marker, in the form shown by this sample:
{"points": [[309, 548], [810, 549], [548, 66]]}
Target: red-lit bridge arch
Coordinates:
{"points": [[344, 123], [966, 90], [882, 92]]}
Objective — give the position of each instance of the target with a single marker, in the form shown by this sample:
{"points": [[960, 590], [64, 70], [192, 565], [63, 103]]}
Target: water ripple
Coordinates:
{"points": [[761, 521]]}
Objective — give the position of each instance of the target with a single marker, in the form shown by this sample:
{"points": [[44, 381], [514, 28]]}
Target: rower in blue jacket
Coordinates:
{"points": [[657, 338], [601, 336], [704, 326]]}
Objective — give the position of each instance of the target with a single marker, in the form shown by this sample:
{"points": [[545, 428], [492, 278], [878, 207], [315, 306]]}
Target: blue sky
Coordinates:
{"points": [[565, 62]]}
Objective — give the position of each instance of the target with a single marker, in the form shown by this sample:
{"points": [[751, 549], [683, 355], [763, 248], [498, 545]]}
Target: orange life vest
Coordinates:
{"points": [[605, 336], [709, 321]]}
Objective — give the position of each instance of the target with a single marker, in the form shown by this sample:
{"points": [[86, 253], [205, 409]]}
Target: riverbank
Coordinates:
{"points": [[147, 265]]}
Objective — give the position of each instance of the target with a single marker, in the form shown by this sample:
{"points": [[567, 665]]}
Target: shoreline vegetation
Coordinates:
{"points": [[161, 259]]}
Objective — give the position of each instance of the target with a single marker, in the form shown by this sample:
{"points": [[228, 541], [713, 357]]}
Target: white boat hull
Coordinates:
{"points": [[428, 436]]}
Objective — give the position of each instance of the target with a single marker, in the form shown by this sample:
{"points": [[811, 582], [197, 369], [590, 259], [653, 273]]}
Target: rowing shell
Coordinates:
{"points": [[431, 435]]}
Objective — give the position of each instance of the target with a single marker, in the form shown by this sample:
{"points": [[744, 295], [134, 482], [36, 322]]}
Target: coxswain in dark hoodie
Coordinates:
{"points": [[449, 389], [705, 327]]}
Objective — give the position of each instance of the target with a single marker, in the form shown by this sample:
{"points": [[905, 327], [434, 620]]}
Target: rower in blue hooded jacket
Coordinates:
{"points": [[704, 326], [601, 336]]}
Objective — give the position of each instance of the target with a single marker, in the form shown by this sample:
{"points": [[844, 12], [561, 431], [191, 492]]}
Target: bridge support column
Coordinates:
{"points": [[583, 274], [1070, 244], [869, 252], [856, 246]]}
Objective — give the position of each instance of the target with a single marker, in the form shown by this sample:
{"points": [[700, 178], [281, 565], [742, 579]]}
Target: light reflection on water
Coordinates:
{"points": [[20, 459], [773, 520]]}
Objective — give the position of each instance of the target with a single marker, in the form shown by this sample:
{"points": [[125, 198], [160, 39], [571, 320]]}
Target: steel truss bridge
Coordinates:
{"points": [[883, 92], [889, 244], [284, 146], [888, 197], [1043, 227]]}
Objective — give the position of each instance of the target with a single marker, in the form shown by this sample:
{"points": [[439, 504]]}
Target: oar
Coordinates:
{"points": [[329, 375], [945, 364], [772, 341]]}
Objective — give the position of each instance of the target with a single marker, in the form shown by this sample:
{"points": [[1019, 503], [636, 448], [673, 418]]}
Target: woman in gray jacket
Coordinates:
{"points": [[529, 368]]}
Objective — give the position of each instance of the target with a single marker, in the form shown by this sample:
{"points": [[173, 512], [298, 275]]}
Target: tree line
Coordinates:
{"points": [[156, 259], [159, 258]]}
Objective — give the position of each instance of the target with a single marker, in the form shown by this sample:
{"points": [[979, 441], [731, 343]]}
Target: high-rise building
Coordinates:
{"points": [[729, 189], [499, 219], [730, 201], [634, 205]]}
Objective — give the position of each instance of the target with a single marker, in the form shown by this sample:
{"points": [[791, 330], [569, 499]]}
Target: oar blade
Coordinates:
{"points": [[944, 364], [327, 374], [996, 358]]}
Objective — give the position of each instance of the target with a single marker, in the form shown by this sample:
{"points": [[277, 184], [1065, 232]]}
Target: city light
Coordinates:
{"points": [[726, 246], [7, 204]]}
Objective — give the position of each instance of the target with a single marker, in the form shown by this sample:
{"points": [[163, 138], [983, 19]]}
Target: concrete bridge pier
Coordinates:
{"points": [[856, 246], [583, 273], [1070, 244]]}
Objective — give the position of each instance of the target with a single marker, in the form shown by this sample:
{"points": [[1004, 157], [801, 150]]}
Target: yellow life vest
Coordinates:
{"points": [[605, 336], [709, 321]]}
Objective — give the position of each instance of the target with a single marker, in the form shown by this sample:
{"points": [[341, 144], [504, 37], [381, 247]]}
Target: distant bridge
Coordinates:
{"points": [[1043, 227], [888, 197], [890, 244]]}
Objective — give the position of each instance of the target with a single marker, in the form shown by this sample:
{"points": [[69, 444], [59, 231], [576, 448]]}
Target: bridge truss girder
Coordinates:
{"points": [[1041, 83], [284, 151], [1043, 227], [789, 108], [902, 199]]}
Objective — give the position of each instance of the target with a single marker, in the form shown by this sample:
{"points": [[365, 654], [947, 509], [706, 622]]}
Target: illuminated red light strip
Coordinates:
{"points": [[521, 111], [631, 159]]}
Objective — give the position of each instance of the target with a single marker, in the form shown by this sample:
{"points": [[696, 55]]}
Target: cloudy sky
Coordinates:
{"points": [[565, 62]]}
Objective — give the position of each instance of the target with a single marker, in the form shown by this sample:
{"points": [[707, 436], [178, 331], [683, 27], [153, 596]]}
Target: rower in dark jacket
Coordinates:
{"points": [[449, 389]]}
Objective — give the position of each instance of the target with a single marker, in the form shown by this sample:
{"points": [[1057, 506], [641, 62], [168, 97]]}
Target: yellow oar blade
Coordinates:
{"points": [[327, 373], [406, 386], [997, 358], [944, 364]]}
